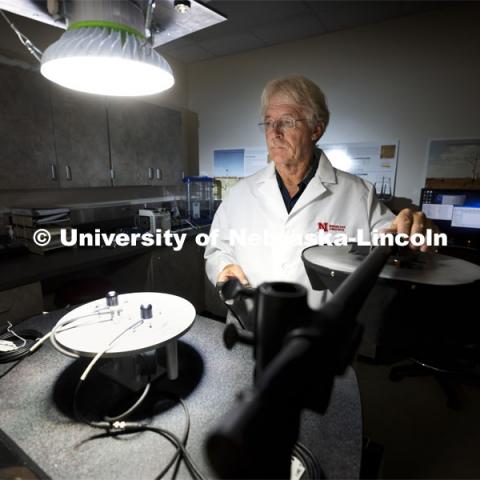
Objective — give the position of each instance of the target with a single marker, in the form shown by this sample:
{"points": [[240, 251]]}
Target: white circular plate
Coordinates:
{"points": [[430, 269], [172, 317]]}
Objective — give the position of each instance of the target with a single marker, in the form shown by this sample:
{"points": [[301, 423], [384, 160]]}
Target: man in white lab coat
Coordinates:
{"points": [[261, 228]]}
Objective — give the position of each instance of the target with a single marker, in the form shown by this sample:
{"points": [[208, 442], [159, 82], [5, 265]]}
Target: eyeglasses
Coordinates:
{"points": [[282, 124]]}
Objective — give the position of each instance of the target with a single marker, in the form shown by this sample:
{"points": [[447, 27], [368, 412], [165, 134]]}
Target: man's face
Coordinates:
{"points": [[288, 146]]}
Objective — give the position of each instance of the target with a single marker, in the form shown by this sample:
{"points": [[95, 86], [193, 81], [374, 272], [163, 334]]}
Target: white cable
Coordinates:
{"points": [[60, 327], [132, 408], [61, 323], [10, 330], [58, 347], [103, 351], [64, 328], [56, 330], [40, 342]]}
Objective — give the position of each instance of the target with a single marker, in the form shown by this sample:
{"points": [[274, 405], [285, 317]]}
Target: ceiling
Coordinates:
{"points": [[250, 25], [256, 24]]}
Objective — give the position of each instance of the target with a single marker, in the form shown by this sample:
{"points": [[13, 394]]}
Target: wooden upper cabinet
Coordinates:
{"points": [[145, 142], [27, 152], [81, 138], [51, 136], [171, 157]]}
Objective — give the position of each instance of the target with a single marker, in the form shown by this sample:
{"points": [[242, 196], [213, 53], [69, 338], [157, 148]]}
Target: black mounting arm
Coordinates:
{"points": [[291, 341]]}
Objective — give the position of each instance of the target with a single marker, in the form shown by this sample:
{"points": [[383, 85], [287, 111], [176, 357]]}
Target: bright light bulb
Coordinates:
{"points": [[108, 75], [106, 61]]}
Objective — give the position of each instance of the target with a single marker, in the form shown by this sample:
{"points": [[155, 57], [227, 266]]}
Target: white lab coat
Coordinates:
{"points": [[255, 205]]}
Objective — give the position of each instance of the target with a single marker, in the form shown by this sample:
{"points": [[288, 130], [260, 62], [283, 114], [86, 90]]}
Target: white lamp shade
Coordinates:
{"points": [[106, 61]]}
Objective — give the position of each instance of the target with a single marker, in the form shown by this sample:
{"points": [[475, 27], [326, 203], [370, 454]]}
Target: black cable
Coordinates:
{"points": [[20, 352], [186, 456], [171, 437], [114, 424], [117, 428], [218, 287], [176, 457], [232, 311]]}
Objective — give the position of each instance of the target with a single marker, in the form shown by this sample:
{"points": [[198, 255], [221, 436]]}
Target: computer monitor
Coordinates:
{"points": [[456, 212]]}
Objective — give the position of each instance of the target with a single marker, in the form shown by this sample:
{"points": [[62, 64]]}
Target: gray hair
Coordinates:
{"points": [[302, 92]]}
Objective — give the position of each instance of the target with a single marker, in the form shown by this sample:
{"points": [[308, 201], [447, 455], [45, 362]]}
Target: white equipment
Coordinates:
{"points": [[153, 219], [126, 327]]}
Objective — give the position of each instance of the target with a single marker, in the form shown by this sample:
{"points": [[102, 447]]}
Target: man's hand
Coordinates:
{"points": [[233, 271], [410, 222]]}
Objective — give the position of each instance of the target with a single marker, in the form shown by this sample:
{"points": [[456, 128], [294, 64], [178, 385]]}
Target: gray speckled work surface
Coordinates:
{"points": [[32, 414]]}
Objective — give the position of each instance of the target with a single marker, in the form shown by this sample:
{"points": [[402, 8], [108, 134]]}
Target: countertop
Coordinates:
{"points": [[36, 397]]}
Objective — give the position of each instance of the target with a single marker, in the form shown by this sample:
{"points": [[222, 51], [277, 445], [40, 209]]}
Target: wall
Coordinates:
{"points": [[411, 79]]}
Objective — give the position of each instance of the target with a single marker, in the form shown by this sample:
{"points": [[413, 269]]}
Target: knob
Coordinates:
{"points": [[112, 298], [146, 311]]}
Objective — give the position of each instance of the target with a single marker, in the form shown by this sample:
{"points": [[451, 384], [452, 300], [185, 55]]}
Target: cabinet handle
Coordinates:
{"points": [[53, 171], [150, 173], [68, 172], [159, 174]]}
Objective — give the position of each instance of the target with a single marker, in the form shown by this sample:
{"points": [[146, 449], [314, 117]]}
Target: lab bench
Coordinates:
{"points": [[37, 415]]}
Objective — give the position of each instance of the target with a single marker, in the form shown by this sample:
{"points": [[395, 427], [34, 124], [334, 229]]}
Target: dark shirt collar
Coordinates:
{"points": [[302, 185]]}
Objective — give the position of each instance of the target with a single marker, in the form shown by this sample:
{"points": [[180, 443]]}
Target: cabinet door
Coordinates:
{"points": [[180, 273], [27, 153], [168, 164], [145, 142], [132, 142], [81, 138]]}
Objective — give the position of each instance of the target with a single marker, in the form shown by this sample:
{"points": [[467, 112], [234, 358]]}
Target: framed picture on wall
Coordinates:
{"points": [[453, 163]]}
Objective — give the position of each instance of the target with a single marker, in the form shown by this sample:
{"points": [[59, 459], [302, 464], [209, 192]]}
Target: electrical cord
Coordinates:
{"points": [[229, 307], [132, 408], [232, 311], [28, 337], [107, 422], [117, 428], [114, 425], [87, 370], [62, 325], [32, 340], [108, 347], [185, 455], [129, 428], [176, 458]]}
